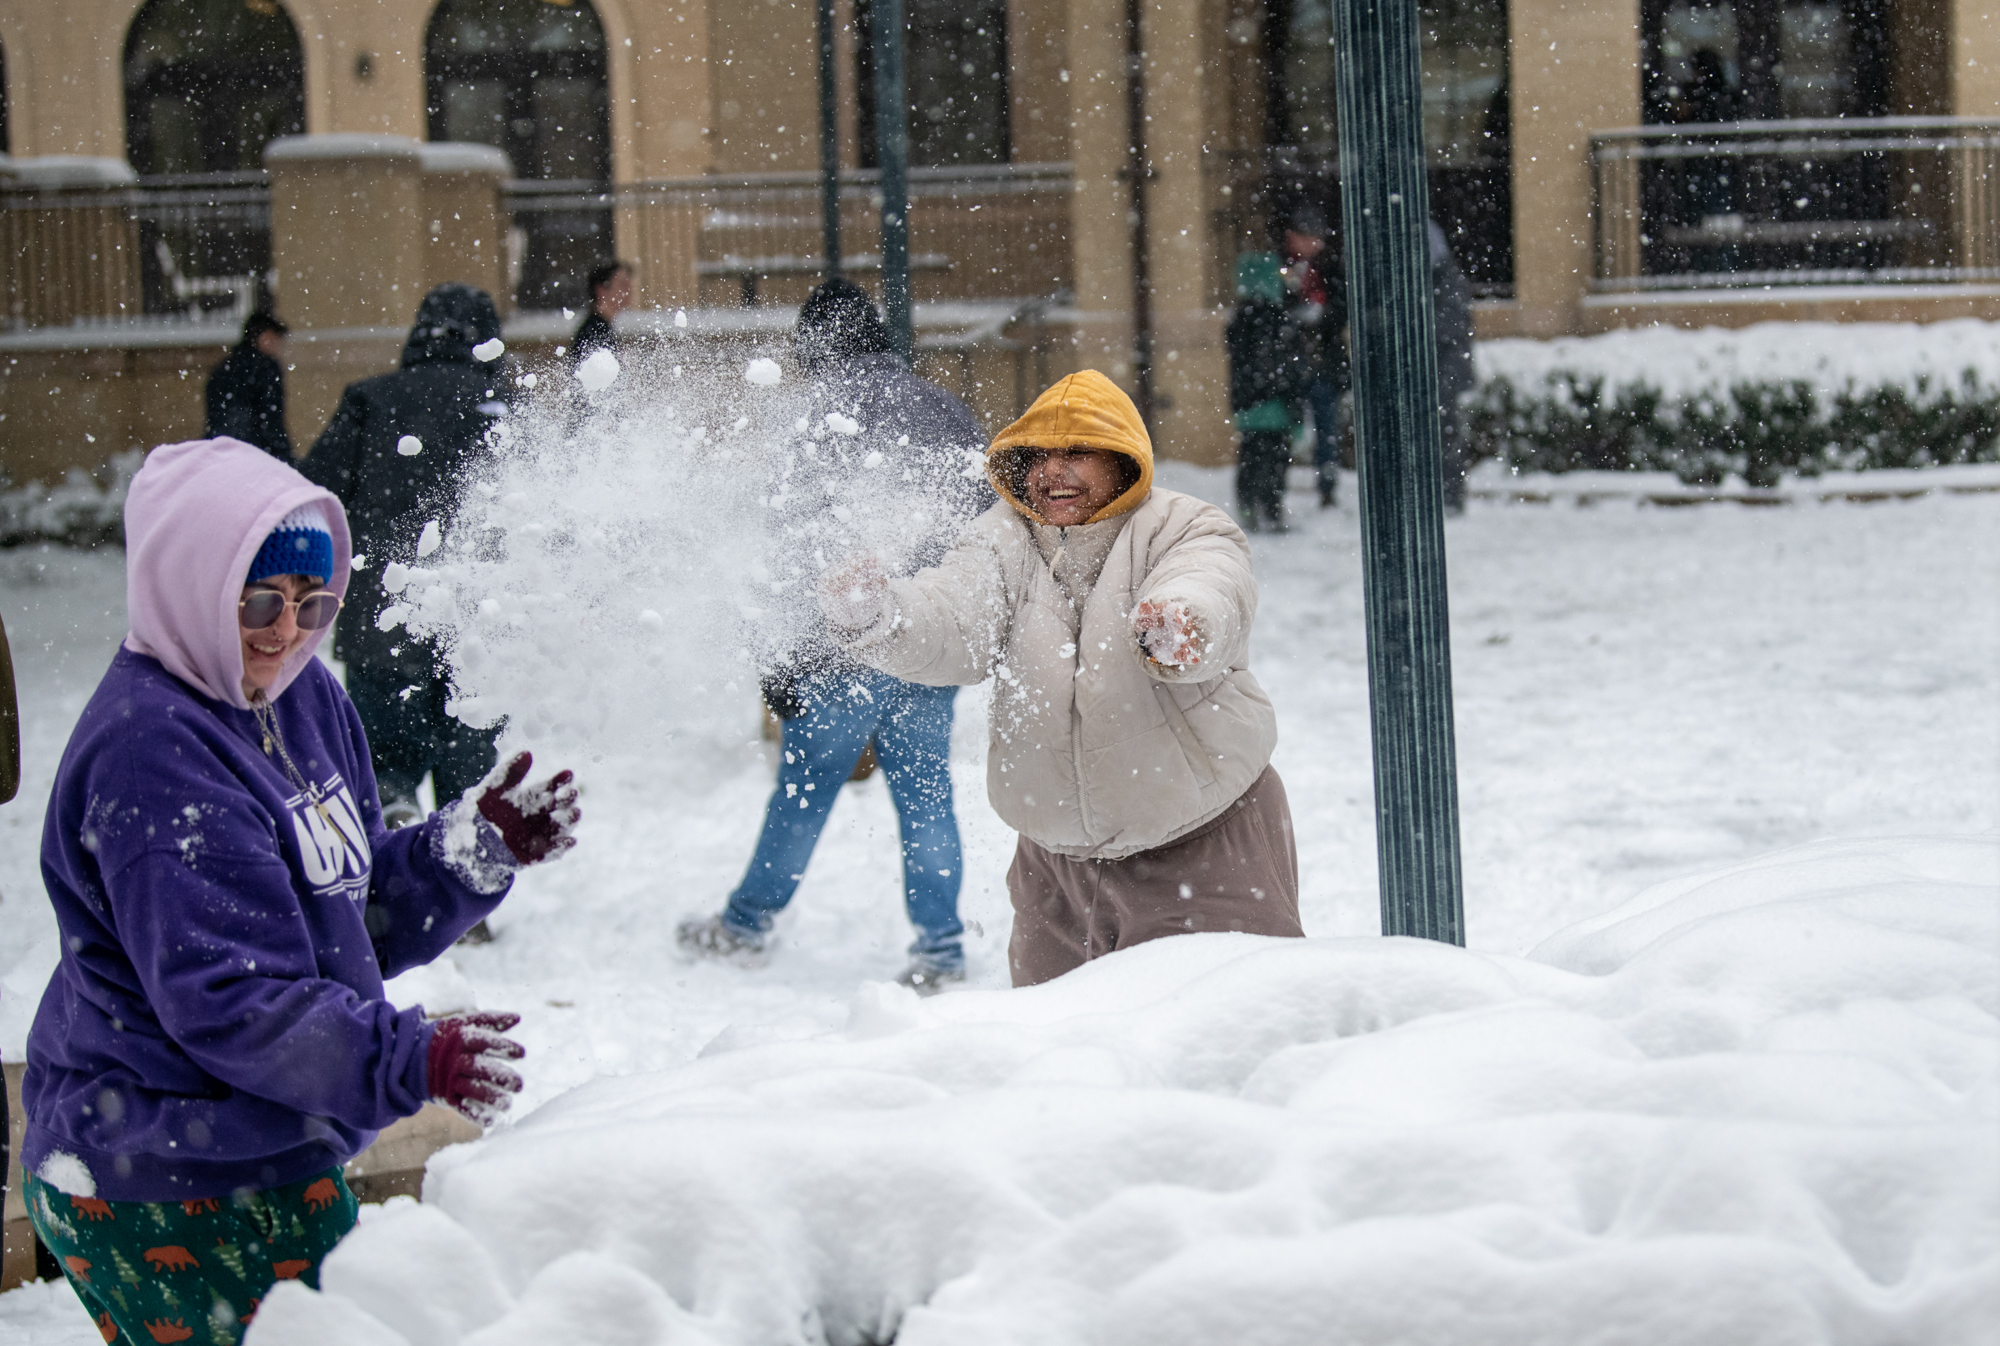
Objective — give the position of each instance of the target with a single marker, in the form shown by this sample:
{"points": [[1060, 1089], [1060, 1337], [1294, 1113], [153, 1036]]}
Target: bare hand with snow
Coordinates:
{"points": [[852, 591], [467, 1064], [1169, 634], [536, 821]]}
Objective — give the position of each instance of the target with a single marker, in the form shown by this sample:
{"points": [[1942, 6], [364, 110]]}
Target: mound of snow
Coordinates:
{"points": [[1754, 1107]]}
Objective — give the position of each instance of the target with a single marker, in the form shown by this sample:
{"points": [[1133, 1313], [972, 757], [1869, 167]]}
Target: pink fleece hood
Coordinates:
{"points": [[195, 517]]}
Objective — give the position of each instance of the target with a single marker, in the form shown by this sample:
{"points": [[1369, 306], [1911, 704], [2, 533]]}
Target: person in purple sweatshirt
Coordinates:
{"points": [[214, 1044]]}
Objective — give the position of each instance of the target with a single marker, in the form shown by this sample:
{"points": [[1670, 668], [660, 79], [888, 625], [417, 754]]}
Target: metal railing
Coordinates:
{"points": [[975, 233], [1862, 200], [195, 248]]}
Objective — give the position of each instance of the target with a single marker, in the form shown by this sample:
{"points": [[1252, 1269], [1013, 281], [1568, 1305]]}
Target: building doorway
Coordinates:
{"points": [[1467, 141], [529, 77], [954, 81]]}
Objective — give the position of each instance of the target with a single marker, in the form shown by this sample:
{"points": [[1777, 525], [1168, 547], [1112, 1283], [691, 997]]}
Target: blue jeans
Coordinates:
{"points": [[1324, 399], [911, 728]]}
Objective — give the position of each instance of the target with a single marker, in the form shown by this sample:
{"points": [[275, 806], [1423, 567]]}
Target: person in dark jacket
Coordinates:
{"points": [[1451, 295], [870, 421], [1268, 375], [396, 453], [1319, 308], [214, 1043], [246, 392], [610, 295]]}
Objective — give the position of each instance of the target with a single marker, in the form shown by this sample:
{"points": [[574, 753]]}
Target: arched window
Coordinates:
{"points": [[527, 76], [954, 80], [210, 83]]}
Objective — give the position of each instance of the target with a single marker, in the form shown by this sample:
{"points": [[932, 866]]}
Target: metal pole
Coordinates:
{"points": [[892, 152], [829, 145], [1138, 173], [1386, 207]]}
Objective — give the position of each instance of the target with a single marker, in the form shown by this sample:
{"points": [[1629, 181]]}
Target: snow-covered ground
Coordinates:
{"points": [[1641, 694]]}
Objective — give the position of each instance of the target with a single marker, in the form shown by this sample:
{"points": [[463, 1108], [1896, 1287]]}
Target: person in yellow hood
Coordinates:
{"points": [[1131, 745]]}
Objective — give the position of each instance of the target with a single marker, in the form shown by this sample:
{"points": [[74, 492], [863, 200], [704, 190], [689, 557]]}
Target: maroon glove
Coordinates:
{"points": [[534, 820], [467, 1073]]}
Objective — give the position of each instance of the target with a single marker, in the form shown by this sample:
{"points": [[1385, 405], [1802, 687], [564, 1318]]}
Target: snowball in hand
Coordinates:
{"points": [[409, 446], [598, 372], [487, 351], [762, 372], [430, 539]]}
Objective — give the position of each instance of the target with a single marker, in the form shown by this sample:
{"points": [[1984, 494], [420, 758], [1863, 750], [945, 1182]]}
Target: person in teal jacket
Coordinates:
{"points": [[1268, 371]]}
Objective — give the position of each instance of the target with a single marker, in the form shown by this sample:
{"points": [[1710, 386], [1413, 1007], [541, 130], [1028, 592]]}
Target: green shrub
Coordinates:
{"points": [[1759, 431]]}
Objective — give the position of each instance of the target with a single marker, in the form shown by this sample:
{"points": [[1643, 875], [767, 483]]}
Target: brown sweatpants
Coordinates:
{"points": [[1238, 871]]}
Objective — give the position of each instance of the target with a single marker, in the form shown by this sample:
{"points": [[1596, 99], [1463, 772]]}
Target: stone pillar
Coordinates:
{"points": [[465, 218], [1100, 230], [348, 249], [1975, 58], [1190, 369], [1574, 70]]}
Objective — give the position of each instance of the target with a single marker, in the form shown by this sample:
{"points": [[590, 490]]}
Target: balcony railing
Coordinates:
{"points": [[190, 248], [975, 233], [1879, 200]]}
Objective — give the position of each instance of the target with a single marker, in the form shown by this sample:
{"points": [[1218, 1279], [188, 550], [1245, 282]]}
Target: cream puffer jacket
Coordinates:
{"points": [[1096, 751]]}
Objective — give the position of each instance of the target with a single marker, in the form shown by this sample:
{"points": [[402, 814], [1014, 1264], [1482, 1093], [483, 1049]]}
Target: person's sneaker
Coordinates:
{"points": [[402, 813], [481, 933], [927, 978], [713, 937]]}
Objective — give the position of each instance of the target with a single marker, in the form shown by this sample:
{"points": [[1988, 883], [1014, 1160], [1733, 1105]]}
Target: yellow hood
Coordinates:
{"points": [[1084, 411]]}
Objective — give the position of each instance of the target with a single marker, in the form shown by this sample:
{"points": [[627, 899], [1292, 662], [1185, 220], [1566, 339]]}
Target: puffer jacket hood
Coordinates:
{"points": [[452, 320], [1084, 411], [194, 518]]}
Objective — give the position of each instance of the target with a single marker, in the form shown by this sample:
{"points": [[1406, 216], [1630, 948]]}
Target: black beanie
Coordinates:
{"points": [[837, 322]]}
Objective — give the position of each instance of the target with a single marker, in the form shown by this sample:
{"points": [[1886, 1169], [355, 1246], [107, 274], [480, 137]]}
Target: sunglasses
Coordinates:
{"points": [[265, 606]]}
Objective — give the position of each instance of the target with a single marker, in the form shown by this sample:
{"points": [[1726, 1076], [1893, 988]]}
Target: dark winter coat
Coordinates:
{"points": [[448, 400], [1451, 294], [246, 401], [925, 437], [1268, 359], [594, 334], [1324, 326]]}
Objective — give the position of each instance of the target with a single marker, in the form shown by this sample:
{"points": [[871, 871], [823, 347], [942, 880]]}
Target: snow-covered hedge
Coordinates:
{"points": [[83, 510], [1751, 1107], [1759, 403]]}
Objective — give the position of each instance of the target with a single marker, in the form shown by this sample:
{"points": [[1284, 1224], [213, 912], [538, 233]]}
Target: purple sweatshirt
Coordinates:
{"points": [[217, 1020]]}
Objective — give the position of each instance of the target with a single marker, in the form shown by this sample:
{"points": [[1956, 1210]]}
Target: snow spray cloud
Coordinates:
{"points": [[640, 544]]}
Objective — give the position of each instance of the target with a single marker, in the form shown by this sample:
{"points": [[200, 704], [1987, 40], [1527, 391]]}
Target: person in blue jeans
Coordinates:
{"points": [[886, 425]]}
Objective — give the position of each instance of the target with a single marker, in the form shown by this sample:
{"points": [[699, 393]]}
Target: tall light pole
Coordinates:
{"points": [[1386, 208], [892, 152], [829, 146]]}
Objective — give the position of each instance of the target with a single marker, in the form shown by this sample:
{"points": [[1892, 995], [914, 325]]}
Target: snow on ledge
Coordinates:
{"points": [[1755, 1105], [343, 145], [457, 156]]}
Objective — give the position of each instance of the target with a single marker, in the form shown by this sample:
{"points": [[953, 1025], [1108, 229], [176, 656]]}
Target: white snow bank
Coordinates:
{"points": [[1682, 363], [1755, 1106]]}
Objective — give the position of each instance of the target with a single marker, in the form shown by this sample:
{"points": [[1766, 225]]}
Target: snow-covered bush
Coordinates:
{"points": [[1771, 400], [1754, 1107], [84, 509]]}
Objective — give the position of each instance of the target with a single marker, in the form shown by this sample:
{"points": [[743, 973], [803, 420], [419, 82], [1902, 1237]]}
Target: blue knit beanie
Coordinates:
{"points": [[301, 544]]}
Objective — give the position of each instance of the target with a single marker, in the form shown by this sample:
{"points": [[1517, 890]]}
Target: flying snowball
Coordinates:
{"points": [[598, 372], [764, 373], [842, 425], [360, 562], [680, 317], [487, 351], [430, 539], [409, 446]]}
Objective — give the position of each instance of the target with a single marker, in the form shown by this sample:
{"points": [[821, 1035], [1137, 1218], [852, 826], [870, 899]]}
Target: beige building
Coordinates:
{"points": [[1594, 163]]}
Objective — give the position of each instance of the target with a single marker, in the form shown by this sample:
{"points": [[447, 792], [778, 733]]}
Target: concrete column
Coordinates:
{"points": [[465, 218], [1100, 231], [1575, 69], [1190, 369], [348, 248], [1975, 58]]}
